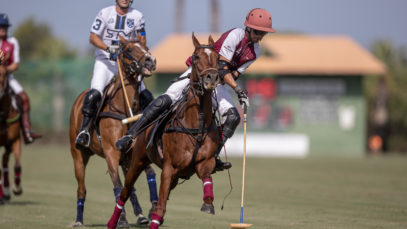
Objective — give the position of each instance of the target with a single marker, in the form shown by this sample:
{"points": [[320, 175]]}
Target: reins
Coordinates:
{"points": [[201, 132], [133, 68]]}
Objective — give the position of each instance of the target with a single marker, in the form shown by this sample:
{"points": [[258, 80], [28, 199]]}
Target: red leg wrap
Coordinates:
{"points": [[208, 188], [116, 214], [156, 220]]}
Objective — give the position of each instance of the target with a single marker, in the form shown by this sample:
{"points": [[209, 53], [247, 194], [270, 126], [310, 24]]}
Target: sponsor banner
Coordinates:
{"points": [[269, 145]]}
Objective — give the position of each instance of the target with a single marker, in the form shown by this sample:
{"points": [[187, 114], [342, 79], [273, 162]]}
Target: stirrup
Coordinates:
{"points": [[81, 144]]}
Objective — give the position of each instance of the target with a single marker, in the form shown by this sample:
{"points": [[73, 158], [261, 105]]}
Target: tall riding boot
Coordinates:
{"points": [[150, 113], [228, 129], [89, 109], [145, 98], [28, 135]]}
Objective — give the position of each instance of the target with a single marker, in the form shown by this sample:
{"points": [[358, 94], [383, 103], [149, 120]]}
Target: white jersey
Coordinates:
{"points": [[108, 25], [16, 52]]}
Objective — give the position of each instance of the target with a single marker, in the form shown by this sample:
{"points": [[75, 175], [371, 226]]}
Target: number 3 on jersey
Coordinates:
{"points": [[98, 22]]}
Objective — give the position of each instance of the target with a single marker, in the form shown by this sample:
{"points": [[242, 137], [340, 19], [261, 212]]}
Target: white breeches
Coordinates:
{"points": [[14, 84], [103, 72], [221, 95]]}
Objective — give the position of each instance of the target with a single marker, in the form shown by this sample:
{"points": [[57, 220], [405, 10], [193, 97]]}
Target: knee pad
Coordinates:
{"points": [[90, 103], [145, 98], [161, 103], [231, 122]]}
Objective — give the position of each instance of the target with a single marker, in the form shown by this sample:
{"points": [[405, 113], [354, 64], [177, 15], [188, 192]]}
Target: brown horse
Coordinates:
{"points": [[189, 139], [134, 60], [9, 137]]}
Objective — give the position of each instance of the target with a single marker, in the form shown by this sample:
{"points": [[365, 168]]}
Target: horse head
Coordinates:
{"points": [[136, 58], [205, 64]]}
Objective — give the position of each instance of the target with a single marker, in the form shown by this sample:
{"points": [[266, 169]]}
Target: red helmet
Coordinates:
{"points": [[259, 19]]}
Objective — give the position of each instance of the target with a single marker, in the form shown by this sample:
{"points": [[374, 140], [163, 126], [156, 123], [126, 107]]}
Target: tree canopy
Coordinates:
{"points": [[38, 42]]}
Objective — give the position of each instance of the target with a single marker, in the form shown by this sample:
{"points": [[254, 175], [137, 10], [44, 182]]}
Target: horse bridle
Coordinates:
{"points": [[200, 74], [134, 67]]}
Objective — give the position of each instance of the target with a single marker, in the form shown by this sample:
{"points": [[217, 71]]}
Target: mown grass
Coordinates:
{"points": [[318, 192]]}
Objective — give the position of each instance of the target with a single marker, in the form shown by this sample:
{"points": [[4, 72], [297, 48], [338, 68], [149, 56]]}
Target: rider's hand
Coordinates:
{"points": [[242, 95], [112, 49], [1, 57]]}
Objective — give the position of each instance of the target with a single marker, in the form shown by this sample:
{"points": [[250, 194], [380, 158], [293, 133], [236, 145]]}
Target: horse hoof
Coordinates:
{"points": [[77, 224], [150, 213], [208, 208], [17, 191], [1, 201], [123, 222], [6, 197], [142, 220]]}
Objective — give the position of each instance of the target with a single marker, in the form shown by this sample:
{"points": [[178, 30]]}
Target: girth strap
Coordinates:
{"points": [[191, 131]]}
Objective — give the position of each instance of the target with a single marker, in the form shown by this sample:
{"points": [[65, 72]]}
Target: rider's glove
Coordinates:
{"points": [[1, 56], [112, 49], [242, 95]]}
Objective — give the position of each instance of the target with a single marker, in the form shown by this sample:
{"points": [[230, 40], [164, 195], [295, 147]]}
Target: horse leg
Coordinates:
{"points": [[1, 190], [152, 186], [132, 174], [167, 176], [80, 160], [6, 183], [16, 148], [141, 219], [204, 170], [112, 159]]}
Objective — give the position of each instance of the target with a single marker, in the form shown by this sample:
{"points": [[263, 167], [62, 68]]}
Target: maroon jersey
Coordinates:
{"points": [[234, 46], [7, 49]]}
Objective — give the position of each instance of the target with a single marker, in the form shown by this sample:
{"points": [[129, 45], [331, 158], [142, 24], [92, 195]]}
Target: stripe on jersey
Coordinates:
{"points": [[120, 22]]}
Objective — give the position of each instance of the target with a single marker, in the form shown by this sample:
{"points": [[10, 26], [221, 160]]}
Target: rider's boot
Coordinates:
{"points": [[28, 135], [150, 113], [89, 108], [145, 98], [228, 128]]}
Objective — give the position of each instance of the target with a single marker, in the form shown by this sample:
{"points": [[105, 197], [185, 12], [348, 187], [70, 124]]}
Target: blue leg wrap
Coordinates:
{"points": [[80, 204], [134, 201], [152, 185]]}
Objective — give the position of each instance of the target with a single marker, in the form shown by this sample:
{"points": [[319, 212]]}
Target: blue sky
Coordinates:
{"points": [[365, 21]]}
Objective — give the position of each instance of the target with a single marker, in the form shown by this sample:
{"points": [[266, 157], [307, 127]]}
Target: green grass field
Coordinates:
{"points": [[280, 193]]}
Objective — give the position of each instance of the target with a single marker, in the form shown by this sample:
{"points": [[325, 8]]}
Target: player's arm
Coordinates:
{"points": [[225, 73], [142, 39], [97, 42], [12, 67], [141, 32]]}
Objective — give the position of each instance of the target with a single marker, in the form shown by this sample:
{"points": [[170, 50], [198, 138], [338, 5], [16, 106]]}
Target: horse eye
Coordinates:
{"points": [[196, 57], [130, 50]]}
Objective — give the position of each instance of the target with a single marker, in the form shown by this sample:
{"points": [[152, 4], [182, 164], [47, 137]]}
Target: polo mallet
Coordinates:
{"points": [[131, 119], [241, 224], [124, 87]]}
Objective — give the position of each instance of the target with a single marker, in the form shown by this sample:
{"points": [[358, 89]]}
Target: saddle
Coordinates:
{"points": [[108, 94], [170, 117], [15, 104]]}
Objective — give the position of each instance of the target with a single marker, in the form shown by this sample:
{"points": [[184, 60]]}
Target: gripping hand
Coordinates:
{"points": [[112, 49], [242, 95]]}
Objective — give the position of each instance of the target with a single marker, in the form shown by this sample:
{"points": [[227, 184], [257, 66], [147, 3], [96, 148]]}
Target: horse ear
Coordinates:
{"points": [[210, 40], [122, 40], [195, 41]]}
